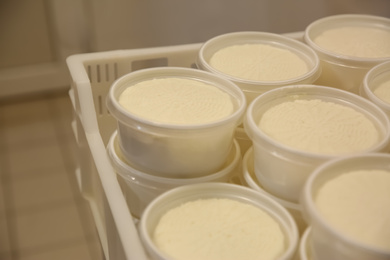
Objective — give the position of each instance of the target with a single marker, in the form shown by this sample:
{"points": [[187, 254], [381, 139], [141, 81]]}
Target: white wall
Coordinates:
{"points": [[36, 36], [24, 30], [132, 24]]}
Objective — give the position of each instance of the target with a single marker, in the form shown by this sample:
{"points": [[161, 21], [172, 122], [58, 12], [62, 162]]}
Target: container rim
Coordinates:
{"points": [[222, 190], [303, 245], [269, 38], [371, 74], [353, 61], [251, 126], [310, 210], [124, 116]]}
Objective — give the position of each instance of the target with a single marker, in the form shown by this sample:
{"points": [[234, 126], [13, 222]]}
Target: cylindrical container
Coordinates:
{"points": [[283, 169], [249, 179], [344, 240], [197, 192], [304, 245], [243, 140], [175, 150], [344, 54], [140, 188], [254, 87], [376, 86]]}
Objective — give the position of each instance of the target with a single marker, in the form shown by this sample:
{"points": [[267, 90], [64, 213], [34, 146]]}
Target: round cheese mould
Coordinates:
{"points": [[243, 140], [178, 196], [340, 70], [378, 75], [174, 150], [304, 246], [282, 169], [140, 188], [328, 241], [249, 179], [253, 88]]}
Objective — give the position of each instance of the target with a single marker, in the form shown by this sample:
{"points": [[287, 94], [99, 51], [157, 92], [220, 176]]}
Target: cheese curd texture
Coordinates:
{"points": [[356, 41], [177, 101], [219, 229], [357, 204], [259, 62], [320, 127]]}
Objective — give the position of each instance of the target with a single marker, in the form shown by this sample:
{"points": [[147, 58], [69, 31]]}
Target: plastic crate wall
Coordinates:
{"points": [[92, 75]]}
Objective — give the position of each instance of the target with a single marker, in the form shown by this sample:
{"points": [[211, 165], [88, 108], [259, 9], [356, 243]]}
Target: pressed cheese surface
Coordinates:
{"points": [[259, 62], [383, 91], [219, 229], [320, 127], [177, 101], [364, 42], [357, 204]]}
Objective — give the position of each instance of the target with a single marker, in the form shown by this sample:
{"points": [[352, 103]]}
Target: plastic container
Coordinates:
{"points": [[180, 195], [283, 170], [340, 70], [373, 79], [140, 188], [243, 140], [253, 88], [326, 241], [171, 150], [304, 245], [250, 180]]}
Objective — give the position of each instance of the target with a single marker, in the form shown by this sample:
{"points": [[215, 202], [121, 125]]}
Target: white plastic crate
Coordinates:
{"points": [[92, 75]]}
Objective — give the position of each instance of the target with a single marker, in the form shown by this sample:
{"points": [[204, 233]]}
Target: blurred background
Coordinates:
{"points": [[36, 36], [42, 215]]}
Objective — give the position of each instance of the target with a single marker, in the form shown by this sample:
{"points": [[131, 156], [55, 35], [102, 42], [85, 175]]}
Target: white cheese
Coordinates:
{"points": [[219, 229], [259, 62], [357, 204], [177, 101], [320, 127], [356, 41]]}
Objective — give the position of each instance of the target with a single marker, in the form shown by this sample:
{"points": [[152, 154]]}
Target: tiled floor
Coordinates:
{"points": [[42, 214]]}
